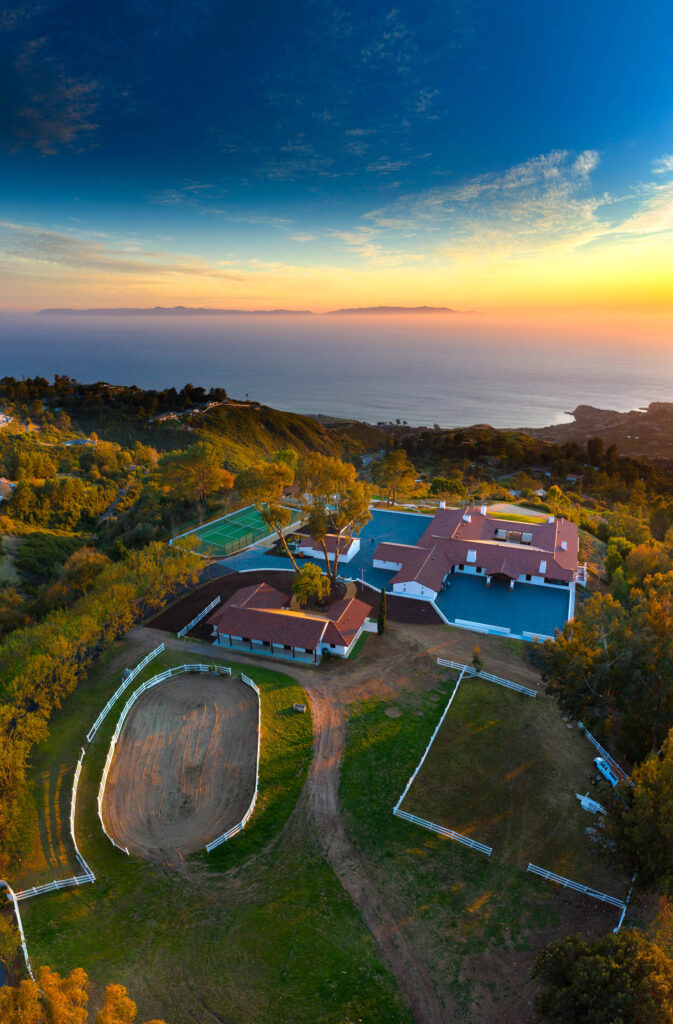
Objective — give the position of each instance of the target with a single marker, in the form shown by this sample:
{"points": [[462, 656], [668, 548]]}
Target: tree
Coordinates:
{"points": [[617, 550], [580, 664], [448, 487], [194, 474], [381, 618], [9, 940], [640, 819], [477, 660], [288, 456], [617, 979], [333, 501], [82, 567], [395, 474], [262, 486], [57, 1000], [310, 583]]}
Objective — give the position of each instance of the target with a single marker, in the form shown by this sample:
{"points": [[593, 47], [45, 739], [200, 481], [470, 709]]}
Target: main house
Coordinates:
{"points": [[263, 620], [470, 541]]}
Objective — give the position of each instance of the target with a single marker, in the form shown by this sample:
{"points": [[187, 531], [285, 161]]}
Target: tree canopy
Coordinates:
{"points": [[334, 502], [310, 583], [64, 1000], [617, 979]]}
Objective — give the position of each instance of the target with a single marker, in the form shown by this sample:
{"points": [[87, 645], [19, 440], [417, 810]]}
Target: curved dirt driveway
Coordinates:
{"points": [[183, 771], [322, 789]]}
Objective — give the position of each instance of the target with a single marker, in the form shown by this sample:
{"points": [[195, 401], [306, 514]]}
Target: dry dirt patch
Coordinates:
{"points": [[184, 766]]}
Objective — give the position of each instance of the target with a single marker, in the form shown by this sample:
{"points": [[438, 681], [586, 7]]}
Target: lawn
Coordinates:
{"points": [[361, 641], [517, 518], [478, 921], [504, 770], [233, 935]]}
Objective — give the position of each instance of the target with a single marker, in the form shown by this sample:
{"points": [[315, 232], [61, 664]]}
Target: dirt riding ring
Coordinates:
{"points": [[182, 769]]}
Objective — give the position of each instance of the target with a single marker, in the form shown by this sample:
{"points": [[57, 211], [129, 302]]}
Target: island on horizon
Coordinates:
{"points": [[205, 311]]}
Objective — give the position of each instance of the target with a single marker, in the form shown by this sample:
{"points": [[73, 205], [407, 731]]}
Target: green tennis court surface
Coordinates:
{"points": [[232, 533]]}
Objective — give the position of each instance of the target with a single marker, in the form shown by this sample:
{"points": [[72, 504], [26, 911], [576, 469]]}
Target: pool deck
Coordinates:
{"points": [[521, 613]]}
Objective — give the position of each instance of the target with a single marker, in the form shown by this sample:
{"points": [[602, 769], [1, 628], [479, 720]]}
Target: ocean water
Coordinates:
{"points": [[454, 371]]}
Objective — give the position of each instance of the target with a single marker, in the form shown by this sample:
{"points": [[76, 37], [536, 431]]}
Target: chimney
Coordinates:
{"points": [[483, 510], [442, 504], [551, 519]]}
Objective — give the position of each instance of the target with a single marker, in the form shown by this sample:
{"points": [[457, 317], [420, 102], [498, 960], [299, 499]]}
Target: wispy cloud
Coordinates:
{"points": [[544, 199], [22, 243], [42, 106], [664, 165]]}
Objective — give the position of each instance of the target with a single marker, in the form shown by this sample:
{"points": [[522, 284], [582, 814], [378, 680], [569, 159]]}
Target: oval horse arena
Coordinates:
{"points": [[184, 766]]}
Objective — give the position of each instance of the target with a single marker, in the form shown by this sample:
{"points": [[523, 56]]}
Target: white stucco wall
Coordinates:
{"points": [[308, 551], [378, 563], [414, 589]]}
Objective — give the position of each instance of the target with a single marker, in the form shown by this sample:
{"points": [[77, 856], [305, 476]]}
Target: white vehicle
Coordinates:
{"points": [[605, 770]]}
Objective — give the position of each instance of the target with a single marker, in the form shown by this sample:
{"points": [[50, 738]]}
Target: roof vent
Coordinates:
{"points": [[543, 567], [500, 534], [471, 555], [526, 538], [467, 518], [564, 545]]}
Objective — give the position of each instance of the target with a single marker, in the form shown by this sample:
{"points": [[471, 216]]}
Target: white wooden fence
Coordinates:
{"points": [[65, 883], [168, 674], [486, 675], [448, 833], [568, 884], [439, 829], [11, 896], [201, 615], [246, 817], [617, 769], [118, 692]]}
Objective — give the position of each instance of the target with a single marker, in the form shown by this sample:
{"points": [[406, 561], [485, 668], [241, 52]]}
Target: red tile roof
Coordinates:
{"points": [[453, 533], [261, 612]]}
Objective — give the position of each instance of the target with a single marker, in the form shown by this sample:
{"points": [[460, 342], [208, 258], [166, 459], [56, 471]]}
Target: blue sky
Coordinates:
{"points": [[149, 146]]}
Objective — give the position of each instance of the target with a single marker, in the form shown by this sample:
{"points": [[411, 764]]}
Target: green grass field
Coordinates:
{"points": [[517, 517], [233, 532], [478, 921], [504, 769], [232, 936]]}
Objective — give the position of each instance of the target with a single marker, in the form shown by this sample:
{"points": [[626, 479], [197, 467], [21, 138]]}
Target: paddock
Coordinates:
{"points": [[183, 770]]}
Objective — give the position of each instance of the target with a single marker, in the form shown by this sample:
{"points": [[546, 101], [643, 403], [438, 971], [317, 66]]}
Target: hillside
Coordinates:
{"points": [[646, 432], [244, 433]]}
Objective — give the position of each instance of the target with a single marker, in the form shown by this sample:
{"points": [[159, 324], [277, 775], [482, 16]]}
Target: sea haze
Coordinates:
{"points": [[451, 370]]}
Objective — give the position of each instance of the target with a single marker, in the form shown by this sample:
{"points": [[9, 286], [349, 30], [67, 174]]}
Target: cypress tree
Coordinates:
{"points": [[381, 620]]}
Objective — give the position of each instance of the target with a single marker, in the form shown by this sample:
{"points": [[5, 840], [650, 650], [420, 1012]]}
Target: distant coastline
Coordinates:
{"points": [[173, 311], [205, 311]]}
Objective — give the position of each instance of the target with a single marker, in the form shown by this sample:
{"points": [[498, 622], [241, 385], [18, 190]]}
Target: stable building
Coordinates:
{"points": [[348, 548], [263, 620]]}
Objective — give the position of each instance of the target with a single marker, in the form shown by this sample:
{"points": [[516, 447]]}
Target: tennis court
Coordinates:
{"points": [[231, 533]]}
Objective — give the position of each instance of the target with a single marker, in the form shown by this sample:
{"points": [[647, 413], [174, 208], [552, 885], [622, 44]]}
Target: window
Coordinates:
{"points": [[528, 576], [287, 647], [461, 567]]}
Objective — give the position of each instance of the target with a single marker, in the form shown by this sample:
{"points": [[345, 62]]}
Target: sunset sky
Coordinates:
{"points": [[500, 156]]}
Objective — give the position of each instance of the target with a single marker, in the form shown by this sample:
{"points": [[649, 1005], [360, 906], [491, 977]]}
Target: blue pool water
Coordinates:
{"points": [[528, 608]]}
